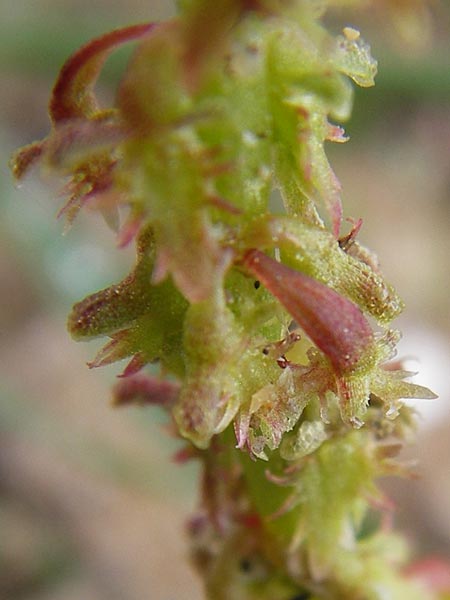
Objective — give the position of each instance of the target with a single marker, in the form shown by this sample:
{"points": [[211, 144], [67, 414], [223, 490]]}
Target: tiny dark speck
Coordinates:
{"points": [[245, 565], [302, 596], [257, 284]]}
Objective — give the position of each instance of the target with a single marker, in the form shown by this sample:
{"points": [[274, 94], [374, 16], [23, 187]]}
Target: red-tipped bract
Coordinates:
{"points": [[334, 323]]}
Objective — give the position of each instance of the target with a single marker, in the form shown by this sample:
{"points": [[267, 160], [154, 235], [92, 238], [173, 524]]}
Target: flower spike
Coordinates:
{"points": [[239, 315]]}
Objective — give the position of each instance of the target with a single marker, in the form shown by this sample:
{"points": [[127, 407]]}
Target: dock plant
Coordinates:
{"points": [[253, 314]]}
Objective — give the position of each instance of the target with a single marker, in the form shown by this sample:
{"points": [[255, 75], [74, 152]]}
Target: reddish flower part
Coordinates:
{"points": [[142, 389], [335, 325], [434, 572], [137, 363], [72, 95]]}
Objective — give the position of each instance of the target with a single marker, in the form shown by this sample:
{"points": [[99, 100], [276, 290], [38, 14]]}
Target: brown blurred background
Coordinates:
{"points": [[91, 506]]}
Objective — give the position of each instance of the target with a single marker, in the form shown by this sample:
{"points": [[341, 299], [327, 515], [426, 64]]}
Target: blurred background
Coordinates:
{"points": [[91, 504]]}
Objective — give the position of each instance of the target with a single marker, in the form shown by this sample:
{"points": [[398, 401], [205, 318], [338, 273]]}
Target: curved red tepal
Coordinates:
{"points": [[334, 323], [72, 95]]}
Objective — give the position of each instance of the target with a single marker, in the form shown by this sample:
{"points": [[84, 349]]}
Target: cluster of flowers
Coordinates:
{"points": [[270, 328]]}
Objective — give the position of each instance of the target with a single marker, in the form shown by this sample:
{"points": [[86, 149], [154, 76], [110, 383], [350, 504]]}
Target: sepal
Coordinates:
{"points": [[145, 390]]}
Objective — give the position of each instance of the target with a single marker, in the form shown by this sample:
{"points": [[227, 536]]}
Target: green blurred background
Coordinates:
{"points": [[91, 505]]}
